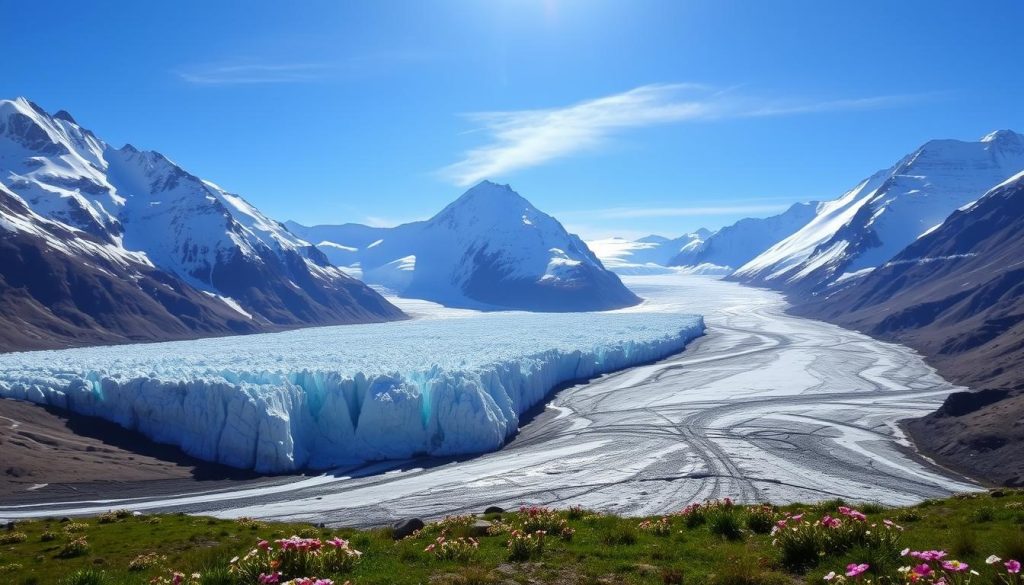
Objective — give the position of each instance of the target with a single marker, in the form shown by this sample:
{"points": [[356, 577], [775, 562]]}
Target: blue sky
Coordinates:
{"points": [[625, 117]]}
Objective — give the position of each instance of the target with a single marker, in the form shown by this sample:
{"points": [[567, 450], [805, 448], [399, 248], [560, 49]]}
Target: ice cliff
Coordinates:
{"points": [[330, 396]]}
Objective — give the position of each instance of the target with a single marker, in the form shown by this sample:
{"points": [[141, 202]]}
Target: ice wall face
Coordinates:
{"points": [[329, 396]]}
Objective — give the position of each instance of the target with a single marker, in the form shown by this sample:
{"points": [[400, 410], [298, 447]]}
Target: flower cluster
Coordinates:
{"points": [[932, 567], [538, 518], [453, 525], [697, 513], [294, 558], [803, 541], [74, 548], [523, 546], [1010, 573], [13, 537], [659, 527], [853, 570], [145, 561], [453, 549], [176, 578]]}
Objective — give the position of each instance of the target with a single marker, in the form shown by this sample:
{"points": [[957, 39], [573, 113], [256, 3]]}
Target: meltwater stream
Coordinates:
{"points": [[765, 407]]}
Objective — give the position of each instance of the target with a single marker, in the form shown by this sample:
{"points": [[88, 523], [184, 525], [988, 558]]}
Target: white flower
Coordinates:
{"points": [[830, 576], [992, 559]]}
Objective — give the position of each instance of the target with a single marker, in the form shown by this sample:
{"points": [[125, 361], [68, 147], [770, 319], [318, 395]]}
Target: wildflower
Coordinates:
{"points": [[797, 518], [992, 559], [904, 552], [955, 566], [831, 575], [177, 578], [269, 578], [853, 569], [922, 570], [830, 522], [263, 544], [1012, 566], [337, 542], [929, 555], [892, 524]]}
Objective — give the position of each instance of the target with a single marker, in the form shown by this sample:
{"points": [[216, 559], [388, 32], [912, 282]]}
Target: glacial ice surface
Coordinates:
{"points": [[330, 396]]}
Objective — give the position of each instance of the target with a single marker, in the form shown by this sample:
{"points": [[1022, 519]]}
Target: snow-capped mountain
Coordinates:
{"points": [[956, 293], [647, 255], [62, 286], [489, 248], [735, 245], [143, 204], [886, 212]]}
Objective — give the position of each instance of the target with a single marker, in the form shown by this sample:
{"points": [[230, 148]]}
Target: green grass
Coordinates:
{"points": [[603, 549]]}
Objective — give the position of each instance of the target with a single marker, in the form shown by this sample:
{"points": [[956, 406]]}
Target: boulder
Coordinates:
{"points": [[405, 527]]}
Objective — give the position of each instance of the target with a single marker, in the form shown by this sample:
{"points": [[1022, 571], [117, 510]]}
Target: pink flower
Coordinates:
{"points": [[797, 518], [323, 582], [177, 578], [922, 570], [845, 511], [853, 569], [830, 522], [929, 555], [270, 578], [1012, 566], [892, 524], [337, 542], [264, 545], [955, 566]]}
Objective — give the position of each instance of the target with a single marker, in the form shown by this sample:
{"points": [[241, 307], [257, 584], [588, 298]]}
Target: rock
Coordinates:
{"points": [[65, 519], [480, 528], [403, 528], [997, 493], [494, 510]]}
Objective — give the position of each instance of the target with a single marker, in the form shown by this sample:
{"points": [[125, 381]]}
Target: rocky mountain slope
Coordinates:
{"points": [[957, 295], [886, 212], [488, 249], [135, 217]]}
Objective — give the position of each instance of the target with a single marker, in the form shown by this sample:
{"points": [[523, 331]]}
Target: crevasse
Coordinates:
{"points": [[324, 397]]}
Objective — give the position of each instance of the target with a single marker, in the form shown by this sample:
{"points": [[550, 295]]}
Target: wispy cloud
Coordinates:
{"points": [[527, 138], [232, 74], [252, 71]]}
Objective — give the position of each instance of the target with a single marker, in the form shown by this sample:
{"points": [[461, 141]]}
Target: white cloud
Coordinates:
{"points": [[527, 138]]}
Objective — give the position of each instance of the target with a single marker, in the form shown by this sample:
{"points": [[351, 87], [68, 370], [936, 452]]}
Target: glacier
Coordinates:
{"points": [[330, 396]]}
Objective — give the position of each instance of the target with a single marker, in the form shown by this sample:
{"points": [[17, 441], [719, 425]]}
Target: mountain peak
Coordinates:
{"points": [[487, 198], [1003, 136], [64, 115]]}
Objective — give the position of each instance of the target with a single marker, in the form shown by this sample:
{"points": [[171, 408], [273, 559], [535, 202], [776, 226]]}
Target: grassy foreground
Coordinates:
{"points": [[712, 543]]}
